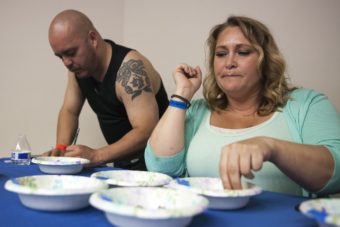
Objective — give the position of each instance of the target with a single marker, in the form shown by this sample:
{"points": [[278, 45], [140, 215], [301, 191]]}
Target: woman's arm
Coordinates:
{"points": [[312, 161], [311, 166], [167, 139]]}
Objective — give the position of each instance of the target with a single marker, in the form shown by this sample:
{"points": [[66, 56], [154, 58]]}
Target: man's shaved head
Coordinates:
{"points": [[72, 22]]}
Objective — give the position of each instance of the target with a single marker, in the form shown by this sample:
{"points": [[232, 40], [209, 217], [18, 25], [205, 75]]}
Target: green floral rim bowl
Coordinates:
{"points": [[132, 178], [148, 206], [212, 189], [60, 165], [55, 192], [325, 211]]}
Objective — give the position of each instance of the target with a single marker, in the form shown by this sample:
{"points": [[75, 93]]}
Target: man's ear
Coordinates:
{"points": [[93, 38]]}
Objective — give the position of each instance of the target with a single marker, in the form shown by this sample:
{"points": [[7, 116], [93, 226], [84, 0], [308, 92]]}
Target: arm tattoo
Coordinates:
{"points": [[133, 77]]}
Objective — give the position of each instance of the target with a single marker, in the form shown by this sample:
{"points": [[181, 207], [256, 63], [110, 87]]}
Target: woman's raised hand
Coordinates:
{"points": [[188, 80]]}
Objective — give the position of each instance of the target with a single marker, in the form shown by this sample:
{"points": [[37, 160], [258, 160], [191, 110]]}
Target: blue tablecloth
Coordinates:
{"points": [[266, 209]]}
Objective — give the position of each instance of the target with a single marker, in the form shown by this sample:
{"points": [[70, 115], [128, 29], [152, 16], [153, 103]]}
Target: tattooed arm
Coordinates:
{"points": [[136, 87], [136, 84]]}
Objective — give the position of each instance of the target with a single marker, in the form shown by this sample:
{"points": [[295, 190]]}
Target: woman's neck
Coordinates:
{"points": [[244, 106]]}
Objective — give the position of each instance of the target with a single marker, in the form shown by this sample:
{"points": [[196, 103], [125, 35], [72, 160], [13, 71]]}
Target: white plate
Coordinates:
{"points": [[60, 165], [325, 211], [212, 189], [130, 178], [148, 206], [55, 192]]}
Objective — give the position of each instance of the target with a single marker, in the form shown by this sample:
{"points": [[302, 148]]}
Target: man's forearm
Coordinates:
{"points": [[67, 125], [128, 145]]}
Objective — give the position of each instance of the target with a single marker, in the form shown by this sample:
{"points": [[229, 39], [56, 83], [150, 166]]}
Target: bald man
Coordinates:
{"points": [[120, 84]]}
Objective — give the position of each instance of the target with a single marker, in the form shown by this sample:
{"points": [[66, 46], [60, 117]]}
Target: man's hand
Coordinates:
{"points": [[54, 152], [83, 151]]}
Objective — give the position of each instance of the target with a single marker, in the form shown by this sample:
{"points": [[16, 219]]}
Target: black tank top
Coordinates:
{"points": [[101, 96]]}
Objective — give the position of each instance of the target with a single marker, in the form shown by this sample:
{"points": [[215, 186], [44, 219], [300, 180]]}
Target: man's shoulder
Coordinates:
{"points": [[134, 55], [117, 45]]}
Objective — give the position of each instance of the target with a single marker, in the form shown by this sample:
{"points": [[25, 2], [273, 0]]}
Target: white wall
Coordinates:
{"points": [[307, 32], [32, 79]]}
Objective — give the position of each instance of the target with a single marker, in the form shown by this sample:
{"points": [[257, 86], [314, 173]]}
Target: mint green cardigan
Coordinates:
{"points": [[311, 117]]}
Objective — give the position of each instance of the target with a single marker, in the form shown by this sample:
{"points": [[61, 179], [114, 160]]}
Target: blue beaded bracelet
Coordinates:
{"points": [[179, 104]]}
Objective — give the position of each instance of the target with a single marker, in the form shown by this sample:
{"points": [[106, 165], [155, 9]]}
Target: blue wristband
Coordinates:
{"points": [[178, 104]]}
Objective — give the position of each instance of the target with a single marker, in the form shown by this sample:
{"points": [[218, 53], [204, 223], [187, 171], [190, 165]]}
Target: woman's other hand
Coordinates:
{"points": [[241, 158]]}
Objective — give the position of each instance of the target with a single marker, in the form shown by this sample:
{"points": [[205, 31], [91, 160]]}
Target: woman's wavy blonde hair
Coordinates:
{"points": [[271, 65]]}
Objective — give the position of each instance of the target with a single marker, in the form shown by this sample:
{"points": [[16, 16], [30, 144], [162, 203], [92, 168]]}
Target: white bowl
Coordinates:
{"points": [[60, 165], [55, 192], [212, 189], [148, 206], [131, 178], [325, 211]]}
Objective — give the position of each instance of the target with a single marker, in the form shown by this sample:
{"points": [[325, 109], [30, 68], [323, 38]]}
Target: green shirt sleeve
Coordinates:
{"points": [[315, 120]]}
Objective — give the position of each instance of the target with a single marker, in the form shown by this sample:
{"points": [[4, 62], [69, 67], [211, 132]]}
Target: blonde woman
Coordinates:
{"points": [[251, 125]]}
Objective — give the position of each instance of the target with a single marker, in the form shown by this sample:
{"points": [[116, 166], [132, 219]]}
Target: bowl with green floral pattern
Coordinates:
{"points": [[55, 192], [60, 164], [212, 189], [148, 206], [325, 211], [132, 178]]}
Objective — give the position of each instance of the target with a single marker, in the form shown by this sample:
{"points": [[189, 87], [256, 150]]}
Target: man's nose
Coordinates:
{"points": [[67, 61]]}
